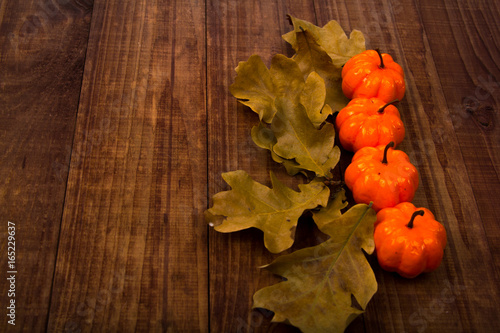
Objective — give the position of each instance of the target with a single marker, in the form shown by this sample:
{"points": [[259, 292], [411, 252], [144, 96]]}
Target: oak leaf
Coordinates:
{"points": [[321, 280], [332, 211], [264, 138], [324, 51], [313, 97], [257, 87], [294, 106], [331, 38], [274, 210], [297, 138]]}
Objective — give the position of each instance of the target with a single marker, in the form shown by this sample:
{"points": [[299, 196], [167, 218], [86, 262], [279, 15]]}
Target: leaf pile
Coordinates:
{"points": [[293, 99]]}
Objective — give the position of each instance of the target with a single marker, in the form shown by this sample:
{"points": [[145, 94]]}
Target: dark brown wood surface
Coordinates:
{"points": [[116, 122]]}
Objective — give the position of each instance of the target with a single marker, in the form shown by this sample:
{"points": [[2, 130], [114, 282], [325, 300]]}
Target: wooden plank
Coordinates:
{"points": [[461, 295], [436, 57], [468, 74], [235, 31], [42, 54], [133, 254], [472, 99]]}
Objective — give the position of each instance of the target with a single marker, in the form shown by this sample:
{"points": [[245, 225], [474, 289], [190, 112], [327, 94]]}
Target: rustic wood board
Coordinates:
{"points": [[133, 211], [42, 54], [116, 122]]}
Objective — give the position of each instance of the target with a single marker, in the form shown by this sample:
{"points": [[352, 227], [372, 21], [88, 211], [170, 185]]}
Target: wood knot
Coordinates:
{"points": [[482, 115]]}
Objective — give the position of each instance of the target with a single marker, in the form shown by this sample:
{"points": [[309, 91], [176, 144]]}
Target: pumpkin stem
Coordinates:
{"points": [[389, 145], [381, 59], [415, 214], [381, 110]]}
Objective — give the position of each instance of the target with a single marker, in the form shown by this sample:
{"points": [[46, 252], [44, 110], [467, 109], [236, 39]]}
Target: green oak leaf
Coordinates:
{"points": [[321, 280], [324, 51], [297, 138], [274, 210]]}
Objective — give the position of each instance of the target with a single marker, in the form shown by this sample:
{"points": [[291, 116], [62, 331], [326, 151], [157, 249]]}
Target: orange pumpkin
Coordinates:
{"points": [[373, 74], [381, 175], [369, 122], [408, 240]]}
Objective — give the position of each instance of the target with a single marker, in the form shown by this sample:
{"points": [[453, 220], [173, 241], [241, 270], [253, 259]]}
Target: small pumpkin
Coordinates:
{"points": [[369, 122], [408, 240], [373, 74], [381, 175]]}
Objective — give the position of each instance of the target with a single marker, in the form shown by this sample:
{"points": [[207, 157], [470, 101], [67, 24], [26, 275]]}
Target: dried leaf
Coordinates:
{"points": [[320, 280], [264, 138], [324, 51], [332, 211], [274, 210], [311, 57], [297, 138], [257, 87], [313, 97], [331, 38]]}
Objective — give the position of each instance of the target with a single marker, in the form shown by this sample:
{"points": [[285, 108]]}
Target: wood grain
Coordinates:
{"points": [[450, 188], [136, 189], [233, 35], [42, 53], [116, 122], [452, 298], [472, 102]]}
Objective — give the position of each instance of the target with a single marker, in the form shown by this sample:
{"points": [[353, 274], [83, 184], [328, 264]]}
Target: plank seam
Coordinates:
{"points": [[51, 291]]}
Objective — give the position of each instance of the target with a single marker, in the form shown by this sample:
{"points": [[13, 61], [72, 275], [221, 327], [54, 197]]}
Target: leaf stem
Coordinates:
{"points": [[389, 145], [335, 183], [335, 186], [381, 110], [413, 216]]}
